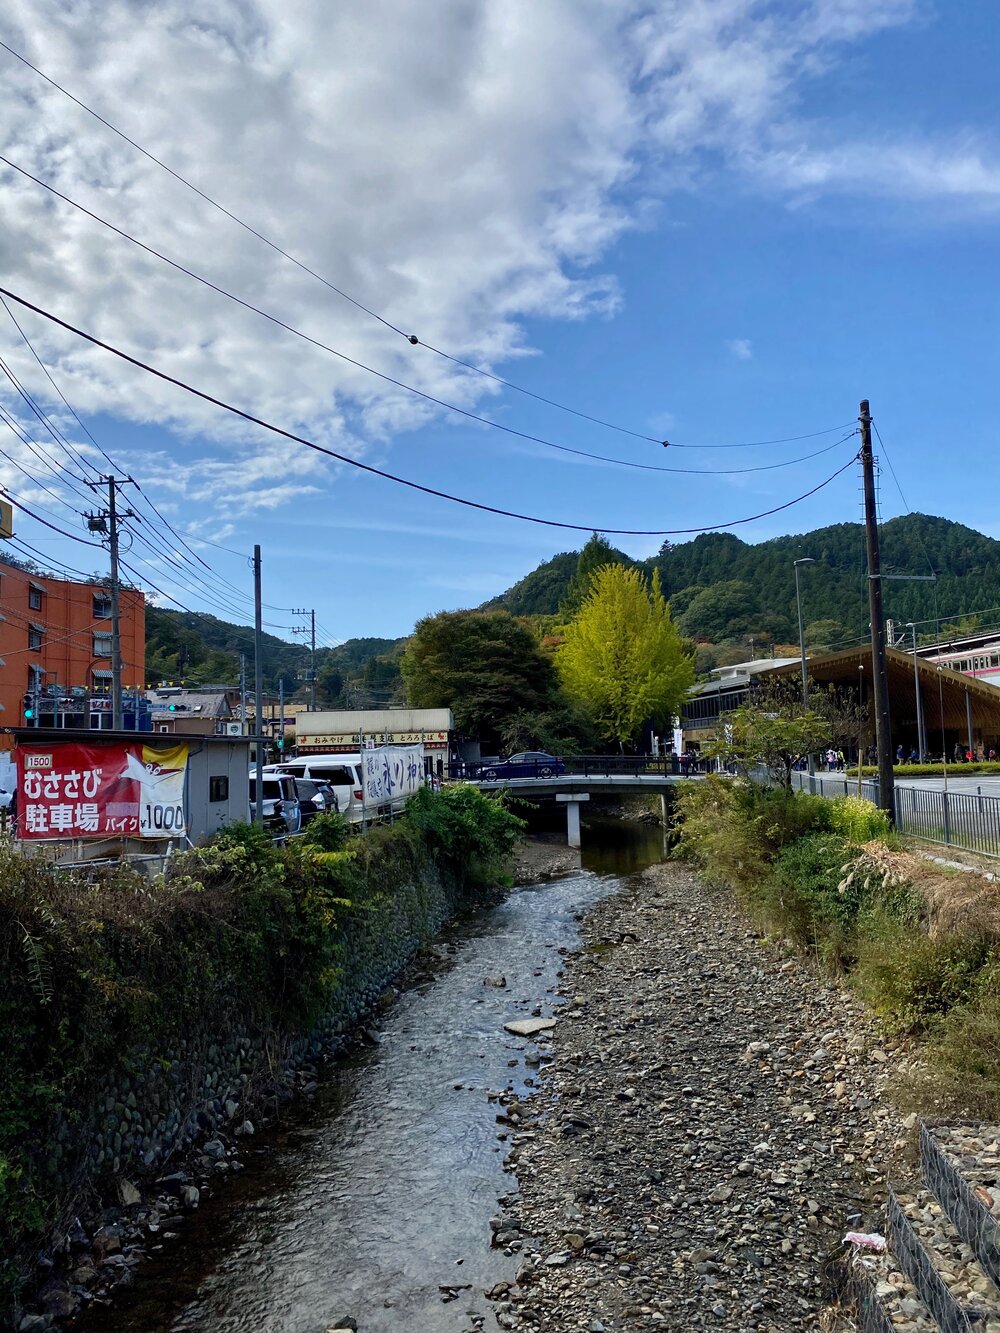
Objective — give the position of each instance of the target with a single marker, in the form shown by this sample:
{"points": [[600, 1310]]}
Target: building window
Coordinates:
{"points": [[218, 789], [102, 645], [34, 639], [35, 595], [102, 606]]}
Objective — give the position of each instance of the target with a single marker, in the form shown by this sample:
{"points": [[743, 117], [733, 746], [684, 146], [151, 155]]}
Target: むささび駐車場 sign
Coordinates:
{"points": [[125, 790]]}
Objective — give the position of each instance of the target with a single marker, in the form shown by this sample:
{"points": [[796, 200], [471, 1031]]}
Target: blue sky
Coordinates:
{"points": [[717, 222]]}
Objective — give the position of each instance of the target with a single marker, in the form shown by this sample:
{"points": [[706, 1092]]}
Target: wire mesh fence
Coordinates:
{"points": [[970, 1217], [919, 1267]]}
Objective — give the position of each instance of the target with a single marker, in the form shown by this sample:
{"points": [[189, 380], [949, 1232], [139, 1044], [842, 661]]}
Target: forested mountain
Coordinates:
{"points": [[722, 588], [197, 648], [722, 592], [540, 592]]}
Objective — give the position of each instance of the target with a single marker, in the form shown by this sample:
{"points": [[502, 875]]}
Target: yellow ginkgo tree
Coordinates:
{"points": [[622, 657]]}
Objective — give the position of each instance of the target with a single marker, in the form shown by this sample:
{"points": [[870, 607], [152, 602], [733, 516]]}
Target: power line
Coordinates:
{"points": [[34, 552], [61, 531], [759, 444], [410, 338], [149, 503], [404, 481], [379, 374], [29, 476]]}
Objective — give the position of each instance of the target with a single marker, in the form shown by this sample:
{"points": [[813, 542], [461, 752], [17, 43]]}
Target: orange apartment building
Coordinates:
{"points": [[55, 633]]}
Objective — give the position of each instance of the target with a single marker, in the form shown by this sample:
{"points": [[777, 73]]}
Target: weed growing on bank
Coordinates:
{"points": [[921, 947], [107, 970]]}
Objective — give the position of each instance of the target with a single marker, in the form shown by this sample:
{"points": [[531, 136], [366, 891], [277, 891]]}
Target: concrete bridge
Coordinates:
{"points": [[573, 789]]}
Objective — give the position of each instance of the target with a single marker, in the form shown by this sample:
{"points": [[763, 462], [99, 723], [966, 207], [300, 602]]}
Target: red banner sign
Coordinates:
{"points": [[125, 790]]}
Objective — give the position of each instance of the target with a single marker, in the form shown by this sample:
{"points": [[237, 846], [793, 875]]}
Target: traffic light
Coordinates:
{"points": [[29, 707], [280, 742]]}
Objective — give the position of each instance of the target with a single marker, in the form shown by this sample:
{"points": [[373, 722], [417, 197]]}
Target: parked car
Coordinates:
{"points": [[527, 764], [340, 771], [282, 813], [315, 798]]}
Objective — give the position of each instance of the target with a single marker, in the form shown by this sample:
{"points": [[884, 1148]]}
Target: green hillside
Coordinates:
{"points": [[722, 591], [198, 648]]}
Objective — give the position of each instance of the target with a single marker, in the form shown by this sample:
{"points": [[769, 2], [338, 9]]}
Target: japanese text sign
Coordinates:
{"points": [[126, 790]]}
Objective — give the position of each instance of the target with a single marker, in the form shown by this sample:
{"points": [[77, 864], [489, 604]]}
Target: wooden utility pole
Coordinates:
{"points": [[880, 668], [258, 681], [106, 522]]}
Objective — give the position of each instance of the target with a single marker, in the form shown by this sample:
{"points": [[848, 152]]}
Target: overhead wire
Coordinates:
{"points": [[34, 553], [207, 593], [111, 462], [389, 476], [318, 343], [34, 480], [411, 338], [57, 470], [24, 508], [45, 420], [923, 545], [170, 554]]}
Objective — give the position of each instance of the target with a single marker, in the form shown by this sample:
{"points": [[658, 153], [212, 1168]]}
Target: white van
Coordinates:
{"points": [[341, 771]]}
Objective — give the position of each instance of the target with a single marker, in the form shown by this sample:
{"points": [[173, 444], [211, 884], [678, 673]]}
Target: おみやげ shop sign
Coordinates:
{"points": [[125, 790]]}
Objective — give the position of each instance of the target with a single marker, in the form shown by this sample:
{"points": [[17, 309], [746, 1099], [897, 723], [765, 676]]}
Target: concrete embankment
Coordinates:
{"points": [[712, 1122]]}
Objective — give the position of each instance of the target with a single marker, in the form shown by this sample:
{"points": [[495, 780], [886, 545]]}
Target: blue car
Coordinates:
{"points": [[527, 764]]}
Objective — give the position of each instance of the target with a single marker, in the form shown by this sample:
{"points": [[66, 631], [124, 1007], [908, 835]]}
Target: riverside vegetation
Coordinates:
{"points": [[919, 943], [108, 977]]}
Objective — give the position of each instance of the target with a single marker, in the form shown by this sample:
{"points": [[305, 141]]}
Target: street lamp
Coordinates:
{"points": [[921, 735], [944, 742], [805, 560]]}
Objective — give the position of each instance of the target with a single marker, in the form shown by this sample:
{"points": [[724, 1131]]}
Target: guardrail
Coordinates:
{"points": [[968, 821]]}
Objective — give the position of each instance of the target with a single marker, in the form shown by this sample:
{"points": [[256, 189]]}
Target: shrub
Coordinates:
{"points": [[801, 897], [910, 980], [733, 829], [463, 825], [329, 832], [962, 1070], [858, 820]]}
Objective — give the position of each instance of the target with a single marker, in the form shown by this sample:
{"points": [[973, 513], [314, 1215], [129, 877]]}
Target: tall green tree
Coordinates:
{"points": [[623, 658], [484, 665], [596, 554]]}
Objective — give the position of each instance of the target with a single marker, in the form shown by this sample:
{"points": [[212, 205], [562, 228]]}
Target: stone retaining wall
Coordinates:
{"points": [[160, 1102]]}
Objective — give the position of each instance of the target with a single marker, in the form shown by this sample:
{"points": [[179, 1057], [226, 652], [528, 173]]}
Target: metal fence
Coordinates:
{"points": [[591, 766], [967, 821]]}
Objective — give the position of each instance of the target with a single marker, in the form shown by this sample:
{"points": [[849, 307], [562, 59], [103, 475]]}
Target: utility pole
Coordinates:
{"points": [[281, 715], [258, 678], [106, 521], [880, 669], [243, 694], [312, 657]]}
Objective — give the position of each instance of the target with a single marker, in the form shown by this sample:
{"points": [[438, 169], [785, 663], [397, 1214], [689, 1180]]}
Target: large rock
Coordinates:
{"points": [[529, 1027]]}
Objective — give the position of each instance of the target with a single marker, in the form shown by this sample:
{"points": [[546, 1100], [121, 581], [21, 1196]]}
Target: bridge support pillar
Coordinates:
{"points": [[572, 801]]}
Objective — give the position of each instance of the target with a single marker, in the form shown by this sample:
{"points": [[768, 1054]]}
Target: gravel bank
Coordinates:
{"points": [[544, 856], [710, 1125]]}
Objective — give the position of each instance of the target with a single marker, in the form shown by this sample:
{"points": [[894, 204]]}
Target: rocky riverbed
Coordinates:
{"points": [[711, 1122]]}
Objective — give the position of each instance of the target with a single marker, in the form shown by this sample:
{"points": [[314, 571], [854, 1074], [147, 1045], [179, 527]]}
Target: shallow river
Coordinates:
{"points": [[379, 1192]]}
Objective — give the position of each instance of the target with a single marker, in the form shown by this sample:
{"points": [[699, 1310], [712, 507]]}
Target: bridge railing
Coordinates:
{"points": [[591, 766]]}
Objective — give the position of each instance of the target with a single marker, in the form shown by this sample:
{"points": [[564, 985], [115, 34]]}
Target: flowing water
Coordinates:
{"points": [[379, 1192]]}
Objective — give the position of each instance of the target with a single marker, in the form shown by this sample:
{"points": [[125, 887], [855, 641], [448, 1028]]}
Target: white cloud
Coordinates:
{"points": [[741, 348], [460, 167]]}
